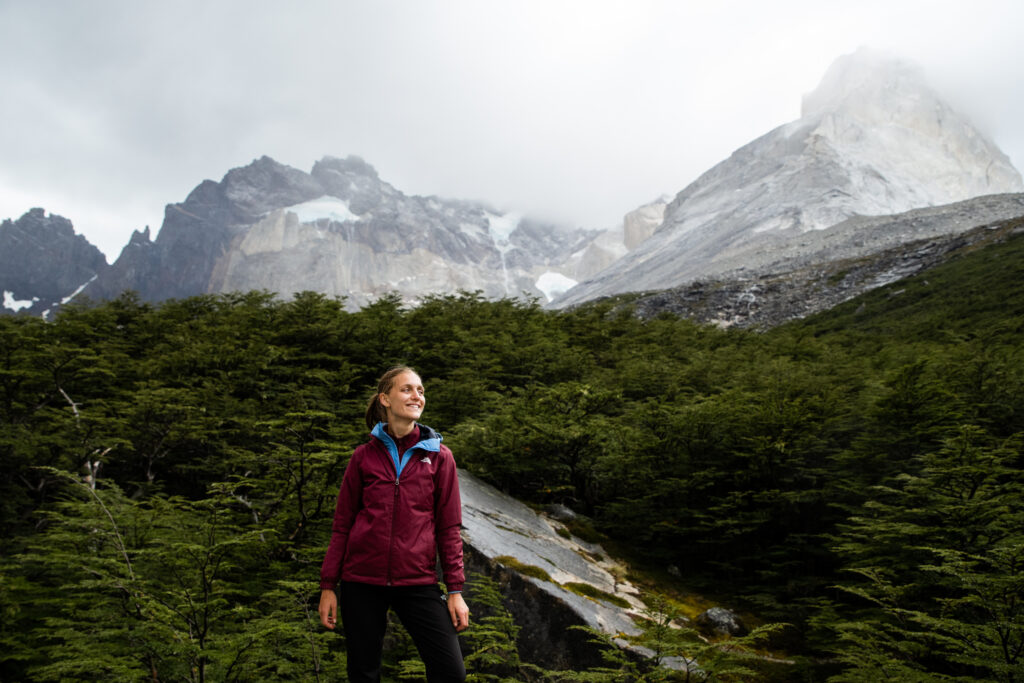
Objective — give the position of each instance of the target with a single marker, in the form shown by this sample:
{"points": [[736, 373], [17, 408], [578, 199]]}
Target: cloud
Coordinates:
{"points": [[575, 110]]}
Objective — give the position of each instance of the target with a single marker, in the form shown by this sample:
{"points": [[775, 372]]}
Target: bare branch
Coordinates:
{"points": [[74, 406]]}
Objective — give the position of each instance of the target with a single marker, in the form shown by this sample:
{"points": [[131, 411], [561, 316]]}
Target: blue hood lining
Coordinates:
{"points": [[429, 441]]}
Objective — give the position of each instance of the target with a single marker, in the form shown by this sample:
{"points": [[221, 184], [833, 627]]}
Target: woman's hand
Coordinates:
{"points": [[458, 609], [328, 608]]}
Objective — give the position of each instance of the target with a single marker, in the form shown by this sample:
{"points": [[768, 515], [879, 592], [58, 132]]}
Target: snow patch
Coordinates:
{"points": [[73, 294], [471, 229], [501, 229], [775, 224], [325, 208], [12, 304], [551, 284], [503, 226]]}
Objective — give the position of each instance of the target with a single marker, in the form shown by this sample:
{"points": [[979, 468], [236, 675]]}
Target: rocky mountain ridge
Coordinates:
{"points": [[804, 286], [43, 263], [873, 139], [873, 145], [342, 231]]}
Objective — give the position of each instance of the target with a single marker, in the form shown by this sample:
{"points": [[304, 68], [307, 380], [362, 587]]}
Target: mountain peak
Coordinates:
{"points": [[877, 112], [266, 184], [339, 230], [43, 261], [866, 77], [350, 165], [874, 139]]}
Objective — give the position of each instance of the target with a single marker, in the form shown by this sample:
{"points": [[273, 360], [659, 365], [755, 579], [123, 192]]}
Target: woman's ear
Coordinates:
{"points": [[384, 400]]}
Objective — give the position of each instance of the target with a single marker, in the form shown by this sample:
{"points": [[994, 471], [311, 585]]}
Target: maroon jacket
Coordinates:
{"points": [[396, 512]]}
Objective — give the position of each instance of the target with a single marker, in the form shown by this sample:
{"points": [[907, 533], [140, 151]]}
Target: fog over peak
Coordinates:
{"points": [[874, 140], [864, 74], [576, 111]]}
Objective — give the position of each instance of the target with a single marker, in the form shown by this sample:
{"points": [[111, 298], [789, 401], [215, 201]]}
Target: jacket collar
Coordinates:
{"points": [[429, 441]]}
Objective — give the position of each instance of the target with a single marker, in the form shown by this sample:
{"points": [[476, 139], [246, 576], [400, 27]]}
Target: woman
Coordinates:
{"points": [[398, 510]]}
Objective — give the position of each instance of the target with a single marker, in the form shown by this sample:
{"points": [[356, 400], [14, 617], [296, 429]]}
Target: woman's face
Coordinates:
{"points": [[405, 399]]}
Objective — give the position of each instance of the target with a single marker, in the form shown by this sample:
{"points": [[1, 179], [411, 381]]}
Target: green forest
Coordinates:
{"points": [[854, 480]]}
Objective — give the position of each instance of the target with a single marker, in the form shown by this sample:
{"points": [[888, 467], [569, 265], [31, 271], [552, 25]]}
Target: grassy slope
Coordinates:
{"points": [[978, 294]]}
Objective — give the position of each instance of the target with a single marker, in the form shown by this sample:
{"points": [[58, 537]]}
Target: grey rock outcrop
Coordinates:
{"points": [[720, 621], [339, 230], [831, 266], [608, 246], [507, 540], [640, 223], [43, 263], [873, 139]]}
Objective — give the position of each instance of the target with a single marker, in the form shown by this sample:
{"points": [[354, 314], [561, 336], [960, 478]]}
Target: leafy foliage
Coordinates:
{"points": [[171, 471]]}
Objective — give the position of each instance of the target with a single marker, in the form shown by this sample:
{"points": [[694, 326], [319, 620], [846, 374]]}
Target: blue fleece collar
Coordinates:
{"points": [[429, 441]]}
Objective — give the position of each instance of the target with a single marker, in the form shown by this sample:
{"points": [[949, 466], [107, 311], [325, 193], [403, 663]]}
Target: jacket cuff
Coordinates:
{"points": [[327, 585], [454, 587]]}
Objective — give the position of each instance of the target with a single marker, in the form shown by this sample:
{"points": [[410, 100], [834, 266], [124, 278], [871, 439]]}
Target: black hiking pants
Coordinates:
{"points": [[424, 614]]}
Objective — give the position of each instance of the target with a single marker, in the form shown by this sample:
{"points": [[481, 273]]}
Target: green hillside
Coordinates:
{"points": [[172, 469], [977, 293]]}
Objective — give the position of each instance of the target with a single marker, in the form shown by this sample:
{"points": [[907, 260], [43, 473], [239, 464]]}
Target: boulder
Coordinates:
{"points": [[543, 577], [560, 512], [720, 621]]}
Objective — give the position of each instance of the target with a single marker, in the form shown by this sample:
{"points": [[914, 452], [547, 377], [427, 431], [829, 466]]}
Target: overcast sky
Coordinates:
{"points": [[576, 111]]}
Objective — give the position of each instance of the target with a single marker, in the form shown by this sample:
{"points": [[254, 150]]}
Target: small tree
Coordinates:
{"points": [[938, 558]]}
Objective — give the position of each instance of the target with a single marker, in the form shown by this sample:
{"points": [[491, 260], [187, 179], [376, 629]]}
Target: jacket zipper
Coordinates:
{"points": [[391, 534], [394, 509]]}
